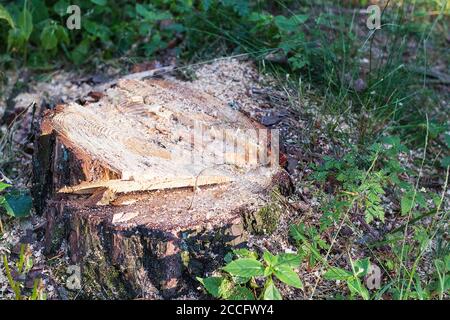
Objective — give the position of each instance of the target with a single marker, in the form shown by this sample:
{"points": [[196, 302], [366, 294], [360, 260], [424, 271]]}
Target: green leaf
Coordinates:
{"points": [[49, 38], [152, 16], [298, 61], [362, 267], [25, 23], [241, 280], [79, 54], [100, 2], [269, 258], [62, 34], [212, 285], [60, 8], [17, 204], [406, 203], [290, 24], [271, 292], [240, 7], [4, 15], [297, 232], [268, 271], [355, 286], [39, 11], [337, 274], [289, 259], [245, 253], [16, 39], [241, 293], [3, 186], [288, 276], [97, 30], [245, 268], [226, 289]]}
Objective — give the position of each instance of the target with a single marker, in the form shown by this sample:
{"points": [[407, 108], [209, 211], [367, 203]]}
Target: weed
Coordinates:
{"points": [[249, 278]]}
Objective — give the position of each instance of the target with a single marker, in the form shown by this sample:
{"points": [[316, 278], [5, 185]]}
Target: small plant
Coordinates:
{"points": [[20, 28], [249, 278], [352, 278], [309, 242], [22, 267]]}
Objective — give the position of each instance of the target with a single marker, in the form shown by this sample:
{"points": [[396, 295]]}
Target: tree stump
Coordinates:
{"points": [[151, 185]]}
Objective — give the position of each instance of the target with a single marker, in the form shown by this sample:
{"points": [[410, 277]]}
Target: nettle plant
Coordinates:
{"points": [[250, 277], [353, 278]]}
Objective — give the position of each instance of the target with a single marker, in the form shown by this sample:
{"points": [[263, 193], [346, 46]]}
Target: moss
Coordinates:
{"points": [[100, 279], [265, 220], [57, 235], [103, 281]]}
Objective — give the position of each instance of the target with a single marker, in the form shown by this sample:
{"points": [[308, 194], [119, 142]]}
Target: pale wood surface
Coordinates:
{"points": [[143, 133]]}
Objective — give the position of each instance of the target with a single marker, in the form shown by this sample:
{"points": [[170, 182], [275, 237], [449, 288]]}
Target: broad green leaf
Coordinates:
{"points": [[49, 38], [362, 267], [241, 293], [60, 7], [268, 271], [289, 259], [212, 285], [79, 54], [271, 292], [39, 11], [16, 39], [3, 186], [226, 288], [25, 23], [62, 34], [245, 253], [4, 15], [337, 274], [269, 258], [241, 280], [17, 204], [406, 203], [245, 268], [288, 276], [355, 286]]}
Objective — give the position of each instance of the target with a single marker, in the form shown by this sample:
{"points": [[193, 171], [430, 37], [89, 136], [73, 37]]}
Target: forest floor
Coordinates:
{"points": [[239, 83], [364, 123]]}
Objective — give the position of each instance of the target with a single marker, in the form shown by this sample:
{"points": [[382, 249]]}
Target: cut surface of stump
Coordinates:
{"points": [[150, 183]]}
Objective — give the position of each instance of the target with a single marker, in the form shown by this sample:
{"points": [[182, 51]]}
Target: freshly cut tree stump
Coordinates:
{"points": [[152, 184]]}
